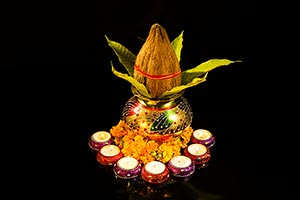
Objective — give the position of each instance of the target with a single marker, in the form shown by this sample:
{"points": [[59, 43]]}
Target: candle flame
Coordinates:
{"points": [[101, 136], [202, 134]]}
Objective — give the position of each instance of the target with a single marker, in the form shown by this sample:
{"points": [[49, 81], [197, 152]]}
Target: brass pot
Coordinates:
{"points": [[157, 117]]}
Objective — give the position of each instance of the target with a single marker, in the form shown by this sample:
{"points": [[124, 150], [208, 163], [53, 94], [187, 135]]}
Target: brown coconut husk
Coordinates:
{"points": [[156, 64]]}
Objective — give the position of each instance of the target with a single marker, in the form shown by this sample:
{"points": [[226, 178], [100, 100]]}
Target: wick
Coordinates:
{"points": [[101, 136]]}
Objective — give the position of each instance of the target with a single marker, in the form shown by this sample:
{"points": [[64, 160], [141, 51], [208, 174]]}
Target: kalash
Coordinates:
{"points": [[156, 121]]}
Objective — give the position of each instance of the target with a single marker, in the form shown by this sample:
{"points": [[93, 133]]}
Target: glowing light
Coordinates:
{"points": [[173, 117], [136, 109]]}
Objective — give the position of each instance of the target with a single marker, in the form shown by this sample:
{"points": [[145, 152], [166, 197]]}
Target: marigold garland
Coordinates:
{"points": [[145, 149]]}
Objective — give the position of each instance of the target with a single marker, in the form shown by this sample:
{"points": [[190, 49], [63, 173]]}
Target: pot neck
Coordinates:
{"points": [[166, 101]]}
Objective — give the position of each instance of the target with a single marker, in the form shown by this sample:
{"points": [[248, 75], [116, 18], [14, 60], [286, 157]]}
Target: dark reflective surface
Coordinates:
{"points": [[243, 163], [57, 89]]}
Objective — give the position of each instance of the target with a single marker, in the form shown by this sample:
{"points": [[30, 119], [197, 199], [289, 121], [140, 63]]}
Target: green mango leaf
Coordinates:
{"points": [[179, 88], [140, 87], [190, 77], [126, 57], [177, 45], [190, 74]]}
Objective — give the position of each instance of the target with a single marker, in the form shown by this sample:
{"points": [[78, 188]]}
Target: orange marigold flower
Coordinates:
{"points": [[146, 149]]}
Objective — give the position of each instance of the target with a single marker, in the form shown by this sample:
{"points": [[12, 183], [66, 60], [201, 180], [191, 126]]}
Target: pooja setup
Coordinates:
{"points": [[154, 142]]}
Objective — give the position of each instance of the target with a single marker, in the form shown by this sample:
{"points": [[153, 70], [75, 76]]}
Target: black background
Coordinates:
{"points": [[57, 89]]}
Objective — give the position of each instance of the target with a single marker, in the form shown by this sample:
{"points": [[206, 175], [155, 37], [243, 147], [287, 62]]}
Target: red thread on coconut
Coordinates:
{"points": [[157, 77]]}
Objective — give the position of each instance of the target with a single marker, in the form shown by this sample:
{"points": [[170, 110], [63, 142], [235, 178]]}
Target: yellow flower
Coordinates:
{"points": [[144, 149]]}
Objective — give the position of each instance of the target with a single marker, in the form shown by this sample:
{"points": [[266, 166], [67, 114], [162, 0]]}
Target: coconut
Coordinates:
{"points": [[156, 65]]}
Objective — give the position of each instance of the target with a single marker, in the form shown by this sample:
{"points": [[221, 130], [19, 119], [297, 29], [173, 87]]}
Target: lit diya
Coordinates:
{"points": [[109, 154], [127, 168], [99, 139], [203, 136], [199, 154], [155, 172], [181, 166]]}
